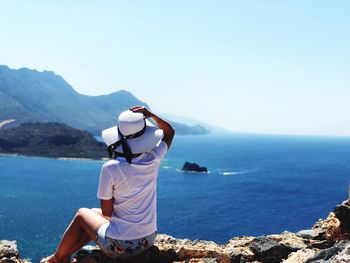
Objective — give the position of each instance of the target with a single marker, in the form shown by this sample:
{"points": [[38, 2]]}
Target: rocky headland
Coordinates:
{"points": [[327, 241], [50, 140]]}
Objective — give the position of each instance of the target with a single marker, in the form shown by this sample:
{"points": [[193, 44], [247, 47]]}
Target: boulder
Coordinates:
{"points": [[342, 212], [267, 250], [8, 249], [316, 234], [331, 228], [9, 252], [239, 250], [193, 167]]}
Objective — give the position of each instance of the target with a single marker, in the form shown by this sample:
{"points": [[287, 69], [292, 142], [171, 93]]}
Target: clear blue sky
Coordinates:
{"points": [[254, 66]]}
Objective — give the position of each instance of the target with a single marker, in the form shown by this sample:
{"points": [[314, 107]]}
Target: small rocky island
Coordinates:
{"points": [[193, 167], [327, 241], [50, 140]]}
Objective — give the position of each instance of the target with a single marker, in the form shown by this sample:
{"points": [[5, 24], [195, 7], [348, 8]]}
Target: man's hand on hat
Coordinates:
{"points": [[143, 110]]}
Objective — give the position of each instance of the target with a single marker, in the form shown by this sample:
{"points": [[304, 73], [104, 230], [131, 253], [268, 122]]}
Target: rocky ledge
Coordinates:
{"points": [[327, 241]]}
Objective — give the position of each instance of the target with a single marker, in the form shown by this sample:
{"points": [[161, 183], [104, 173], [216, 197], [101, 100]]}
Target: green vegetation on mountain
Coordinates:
{"points": [[50, 140]]}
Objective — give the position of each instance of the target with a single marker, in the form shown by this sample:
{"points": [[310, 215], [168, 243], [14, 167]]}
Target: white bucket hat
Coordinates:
{"points": [[139, 133]]}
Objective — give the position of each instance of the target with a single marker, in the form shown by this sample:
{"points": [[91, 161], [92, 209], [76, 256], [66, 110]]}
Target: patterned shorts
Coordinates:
{"points": [[122, 248]]}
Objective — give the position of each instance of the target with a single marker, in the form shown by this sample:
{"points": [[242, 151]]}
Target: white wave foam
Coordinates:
{"points": [[237, 172]]}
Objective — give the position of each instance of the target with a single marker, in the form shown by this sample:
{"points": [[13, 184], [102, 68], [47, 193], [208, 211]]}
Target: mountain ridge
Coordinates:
{"points": [[28, 95], [215, 130]]}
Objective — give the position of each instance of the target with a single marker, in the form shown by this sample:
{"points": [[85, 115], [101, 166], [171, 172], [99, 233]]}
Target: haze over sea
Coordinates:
{"points": [[257, 185]]}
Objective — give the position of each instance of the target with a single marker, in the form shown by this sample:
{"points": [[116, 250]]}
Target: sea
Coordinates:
{"points": [[256, 185]]}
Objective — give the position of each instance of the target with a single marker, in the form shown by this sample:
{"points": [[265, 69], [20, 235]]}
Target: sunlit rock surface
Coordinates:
{"points": [[327, 241]]}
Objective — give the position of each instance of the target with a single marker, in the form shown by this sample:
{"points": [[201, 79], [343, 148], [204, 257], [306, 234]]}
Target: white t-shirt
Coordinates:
{"points": [[133, 187]]}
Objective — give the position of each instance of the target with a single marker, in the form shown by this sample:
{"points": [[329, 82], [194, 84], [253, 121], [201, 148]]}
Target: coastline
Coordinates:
{"points": [[53, 158]]}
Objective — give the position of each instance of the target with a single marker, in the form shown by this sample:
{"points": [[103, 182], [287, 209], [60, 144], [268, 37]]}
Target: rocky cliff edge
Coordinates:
{"points": [[327, 241]]}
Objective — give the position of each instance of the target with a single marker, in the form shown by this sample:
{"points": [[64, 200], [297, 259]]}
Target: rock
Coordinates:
{"points": [[300, 256], [317, 234], [167, 249], [322, 244], [187, 249], [267, 250], [326, 255], [326, 242], [210, 260], [190, 253], [9, 252], [193, 167], [342, 212], [8, 249], [152, 255], [238, 249], [331, 228], [286, 246], [343, 256], [290, 240]]}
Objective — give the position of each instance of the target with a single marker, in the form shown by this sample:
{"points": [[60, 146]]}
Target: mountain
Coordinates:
{"points": [[29, 95], [50, 140], [193, 122]]}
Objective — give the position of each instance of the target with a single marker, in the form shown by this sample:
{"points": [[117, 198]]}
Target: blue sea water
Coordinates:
{"points": [[256, 185]]}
